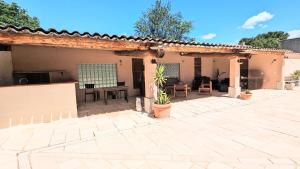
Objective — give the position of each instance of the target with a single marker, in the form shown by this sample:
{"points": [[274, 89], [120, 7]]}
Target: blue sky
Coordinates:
{"points": [[216, 21]]}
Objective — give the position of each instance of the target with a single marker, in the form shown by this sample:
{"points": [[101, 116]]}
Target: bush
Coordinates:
{"points": [[296, 74]]}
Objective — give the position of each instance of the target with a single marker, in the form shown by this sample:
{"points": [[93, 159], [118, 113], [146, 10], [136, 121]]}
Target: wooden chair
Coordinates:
{"points": [[206, 85], [90, 90], [181, 87], [119, 94]]}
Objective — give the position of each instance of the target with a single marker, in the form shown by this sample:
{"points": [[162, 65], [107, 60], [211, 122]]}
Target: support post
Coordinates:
{"points": [[149, 71], [234, 84]]}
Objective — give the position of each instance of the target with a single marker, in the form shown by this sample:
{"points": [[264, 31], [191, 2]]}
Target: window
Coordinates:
{"points": [[197, 66], [171, 70], [102, 75]]}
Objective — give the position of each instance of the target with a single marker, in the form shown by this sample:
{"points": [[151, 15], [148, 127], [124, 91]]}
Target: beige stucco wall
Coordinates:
{"points": [[35, 58], [36, 103], [210, 65], [5, 68], [223, 65], [291, 63], [186, 65], [273, 70]]}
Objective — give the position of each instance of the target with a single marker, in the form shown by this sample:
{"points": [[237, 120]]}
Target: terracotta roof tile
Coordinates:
{"points": [[165, 42]]}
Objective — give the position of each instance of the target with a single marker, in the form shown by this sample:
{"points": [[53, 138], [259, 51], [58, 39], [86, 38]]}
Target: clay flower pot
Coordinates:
{"points": [[162, 110], [245, 96]]}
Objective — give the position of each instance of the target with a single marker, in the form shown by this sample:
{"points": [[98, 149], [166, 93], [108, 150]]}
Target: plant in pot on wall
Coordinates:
{"points": [[162, 104], [246, 95]]}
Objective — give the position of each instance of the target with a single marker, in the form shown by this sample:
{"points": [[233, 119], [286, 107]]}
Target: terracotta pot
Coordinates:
{"points": [[161, 110], [245, 96]]}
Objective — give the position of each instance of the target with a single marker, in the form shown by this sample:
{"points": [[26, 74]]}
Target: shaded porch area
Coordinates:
{"points": [[118, 106]]}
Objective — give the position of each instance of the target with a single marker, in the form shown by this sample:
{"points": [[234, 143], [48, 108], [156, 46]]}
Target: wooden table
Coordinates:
{"points": [[115, 89]]}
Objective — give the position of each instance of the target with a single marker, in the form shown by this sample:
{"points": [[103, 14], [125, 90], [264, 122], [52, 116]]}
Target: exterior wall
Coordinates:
{"points": [[34, 58], [186, 65], [6, 68], [26, 104], [272, 66], [291, 65], [223, 65], [209, 67]]}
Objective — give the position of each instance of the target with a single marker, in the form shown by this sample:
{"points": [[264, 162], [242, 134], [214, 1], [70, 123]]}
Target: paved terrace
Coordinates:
{"points": [[206, 133]]}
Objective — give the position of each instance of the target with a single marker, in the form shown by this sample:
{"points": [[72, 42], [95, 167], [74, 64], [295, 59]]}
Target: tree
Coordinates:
{"points": [[159, 22], [12, 14], [266, 40]]}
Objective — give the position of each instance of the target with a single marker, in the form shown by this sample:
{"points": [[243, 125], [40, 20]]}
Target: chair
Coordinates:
{"points": [[90, 90], [196, 82], [206, 85], [181, 87], [120, 92]]}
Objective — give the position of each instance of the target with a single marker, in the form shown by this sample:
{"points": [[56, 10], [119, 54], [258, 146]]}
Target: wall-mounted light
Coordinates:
{"points": [[240, 61], [153, 61], [120, 61], [182, 61], [274, 60]]}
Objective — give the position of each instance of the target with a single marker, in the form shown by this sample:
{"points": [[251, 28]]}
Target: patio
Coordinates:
{"points": [[119, 105], [206, 133]]}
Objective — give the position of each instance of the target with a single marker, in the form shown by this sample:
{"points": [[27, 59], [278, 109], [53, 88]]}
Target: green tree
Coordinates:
{"points": [[266, 40], [159, 22], [12, 14]]}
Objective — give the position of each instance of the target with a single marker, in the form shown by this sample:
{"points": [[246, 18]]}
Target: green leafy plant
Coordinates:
{"points": [[160, 80], [248, 92], [162, 98], [296, 74]]}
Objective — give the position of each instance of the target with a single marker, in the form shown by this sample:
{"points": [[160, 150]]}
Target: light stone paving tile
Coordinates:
{"points": [[73, 134], [8, 160], [58, 137], [87, 133], [40, 138], [124, 123], [87, 147], [216, 165], [18, 139]]}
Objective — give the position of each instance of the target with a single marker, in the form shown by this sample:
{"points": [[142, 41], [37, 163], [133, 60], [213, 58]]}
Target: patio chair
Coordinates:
{"points": [[206, 85], [181, 87], [119, 94], [90, 90]]}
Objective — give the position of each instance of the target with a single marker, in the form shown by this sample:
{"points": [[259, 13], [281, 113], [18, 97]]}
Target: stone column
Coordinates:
{"points": [[234, 84], [149, 82]]}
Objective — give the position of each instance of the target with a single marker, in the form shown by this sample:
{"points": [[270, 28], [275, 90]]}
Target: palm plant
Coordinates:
{"points": [[160, 80]]}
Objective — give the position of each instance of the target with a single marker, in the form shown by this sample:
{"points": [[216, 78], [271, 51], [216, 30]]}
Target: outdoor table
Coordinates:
{"points": [[115, 89]]}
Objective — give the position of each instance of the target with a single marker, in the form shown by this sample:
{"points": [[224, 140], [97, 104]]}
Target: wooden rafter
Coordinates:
{"points": [[69, 42]]}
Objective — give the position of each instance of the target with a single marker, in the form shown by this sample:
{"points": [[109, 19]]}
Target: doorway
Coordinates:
{"points": [[244, 73], [138, 75]]}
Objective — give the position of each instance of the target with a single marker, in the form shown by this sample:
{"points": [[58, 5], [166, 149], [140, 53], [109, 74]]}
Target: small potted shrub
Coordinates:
{"points": [[246, 95], [162, 104]]}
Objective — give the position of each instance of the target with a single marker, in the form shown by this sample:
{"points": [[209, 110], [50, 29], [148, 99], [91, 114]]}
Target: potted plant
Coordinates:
{"points": [[246, 95], [162, 104]]}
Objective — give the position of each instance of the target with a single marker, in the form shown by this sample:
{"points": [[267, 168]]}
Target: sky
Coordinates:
{"points": [[214, 21]]}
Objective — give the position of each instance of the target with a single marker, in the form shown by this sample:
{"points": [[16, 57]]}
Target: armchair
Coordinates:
{"points": [[181, 87], [206, 85]]}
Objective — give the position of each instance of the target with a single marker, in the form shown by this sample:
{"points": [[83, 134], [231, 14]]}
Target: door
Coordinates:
{"points": [[244, 69], [138, 75]]}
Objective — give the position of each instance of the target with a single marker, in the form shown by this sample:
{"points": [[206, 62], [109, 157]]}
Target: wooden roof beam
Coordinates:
{"points": [[69, 42]]}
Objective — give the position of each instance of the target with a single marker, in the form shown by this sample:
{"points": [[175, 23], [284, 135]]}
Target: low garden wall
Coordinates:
{"points": [[29, 104]]}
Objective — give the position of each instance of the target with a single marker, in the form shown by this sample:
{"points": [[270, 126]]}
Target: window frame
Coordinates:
{"points": [[94, 74]]}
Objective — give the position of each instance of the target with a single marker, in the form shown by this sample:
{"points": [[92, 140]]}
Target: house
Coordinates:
{"points": [[43, 72], [292, 59]]}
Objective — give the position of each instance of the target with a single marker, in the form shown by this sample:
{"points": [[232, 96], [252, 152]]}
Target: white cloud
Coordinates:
{"points": [[209, 36], [254, 20], [294, 34]]}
